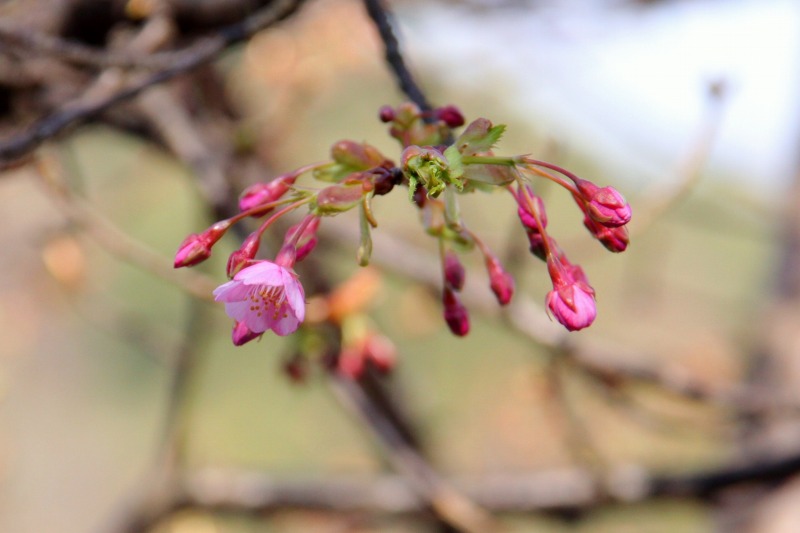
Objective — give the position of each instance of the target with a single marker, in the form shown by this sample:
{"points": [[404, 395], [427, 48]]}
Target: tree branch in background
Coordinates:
{"points": [[17, 147], [380, 16]]}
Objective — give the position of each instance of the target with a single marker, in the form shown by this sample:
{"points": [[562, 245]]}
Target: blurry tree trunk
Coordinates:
{"points": [[776, 371]]}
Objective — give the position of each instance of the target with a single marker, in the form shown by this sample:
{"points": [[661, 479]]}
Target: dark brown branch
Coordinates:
{"points": [[380, 16], [544, 491], [80, 54], [201, 52]]}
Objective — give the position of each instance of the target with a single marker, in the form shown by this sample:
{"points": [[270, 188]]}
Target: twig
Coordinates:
{"points": [[117, 242], [655, 203], [549, 490], [380, 16], [523, 315], [74, 52], [448, 503], [197, 54]]}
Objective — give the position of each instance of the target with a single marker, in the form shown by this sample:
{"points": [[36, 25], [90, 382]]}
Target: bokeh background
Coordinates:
{"points": [[686, 105]]}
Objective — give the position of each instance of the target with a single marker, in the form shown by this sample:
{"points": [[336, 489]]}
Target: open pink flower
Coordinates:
{"points": [[264, 296]]}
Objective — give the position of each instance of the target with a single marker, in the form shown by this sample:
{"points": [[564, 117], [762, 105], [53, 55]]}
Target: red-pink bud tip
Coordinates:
{"points": [[455, 314], [501, 282], [614, 239], [193, 250], [604, 204], [265, 193], [454, 273], [351, 363], [451, 116], [386, 113], [572, 305], [241, 334]]}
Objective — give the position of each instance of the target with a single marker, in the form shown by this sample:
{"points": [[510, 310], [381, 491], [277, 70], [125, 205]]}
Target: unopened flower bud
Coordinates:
{"points": [[380, 352], [358, 156], [306, 241], [501, 282], [450, 115], [351, 362], [455, 314], [196, 248], [528, 213], [296, 368], [241, 334], [338, 198], [454, 273], [536, 245], [571, 301], [386, 113], [572, 305], [604, 204], [244, 255], [614, 239], [287, 256], [265, 193]]}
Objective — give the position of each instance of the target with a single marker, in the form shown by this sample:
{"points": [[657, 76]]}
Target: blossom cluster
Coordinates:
{"points": [[435, 166]]}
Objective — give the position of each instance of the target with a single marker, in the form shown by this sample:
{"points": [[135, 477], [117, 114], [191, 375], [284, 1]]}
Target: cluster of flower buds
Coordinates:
{"points": [[265, 294]]}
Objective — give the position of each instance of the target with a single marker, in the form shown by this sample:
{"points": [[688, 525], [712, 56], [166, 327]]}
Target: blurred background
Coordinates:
{"points": [[687, 107]]}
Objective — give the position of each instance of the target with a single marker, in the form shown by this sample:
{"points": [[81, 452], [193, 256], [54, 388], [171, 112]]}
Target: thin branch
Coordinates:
{"points": [[117, 242], [449, 504], [604, 360], [659, 201], [205, 50], [80, 54], [380, 16], [549, 490]]}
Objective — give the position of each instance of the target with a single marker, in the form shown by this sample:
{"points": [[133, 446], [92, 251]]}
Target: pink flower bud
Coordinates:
{"points": [[537, 247], [614, 239], [265, 193], [197, 248], [306, 241], [454, 273], [571, 301], [380, 352], [501, 282], [455, 314], [241, 334], [526, 211], [604, 204], [244, 255], [351, 362], [193, 250], [572, 305], [450, 115]]}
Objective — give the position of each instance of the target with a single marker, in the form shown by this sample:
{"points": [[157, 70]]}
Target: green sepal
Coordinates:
{"points": [[480, 136], [337, 199], [365, 243]]}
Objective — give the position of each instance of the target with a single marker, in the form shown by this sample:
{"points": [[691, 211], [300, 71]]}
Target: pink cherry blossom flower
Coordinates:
{"points": [[264, 296]]}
